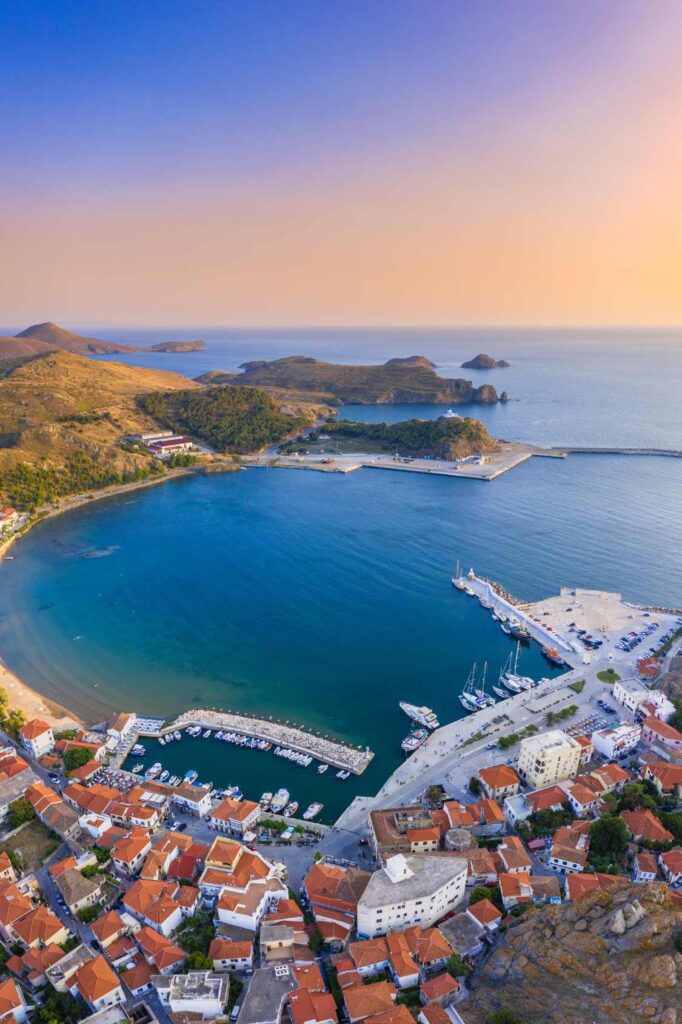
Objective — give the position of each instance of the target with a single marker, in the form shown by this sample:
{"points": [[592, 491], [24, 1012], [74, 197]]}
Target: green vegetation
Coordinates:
{"points": [[229, 419], [486, 892], [236, 989], [435, 794], [608, 675], [559, 716], [196, 933], [443, 438], [102, 854], [673, 823], [664, 648], [198, 961], [409, 997], [315, 940], [637, 794], [545, 823], [19, 812], [676, 719], [70, 943], [181, 460], [88, 914], [504, 1016], [608, 843], [475, 785], [66, 734], [456, 967], [90, 870], [59, 1008], [515, 737], [578, 686], [28, 487], [76, 758]]}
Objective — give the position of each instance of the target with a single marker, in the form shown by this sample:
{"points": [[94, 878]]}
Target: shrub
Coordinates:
{"points": [[19, 812]]}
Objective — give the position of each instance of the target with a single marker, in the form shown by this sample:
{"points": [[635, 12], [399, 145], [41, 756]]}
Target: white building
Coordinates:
{"points": [[631, 693], [548, 757], [121, 726], [195, 799], [410, 890], [204, 993], [37, 738], [616, 740]]}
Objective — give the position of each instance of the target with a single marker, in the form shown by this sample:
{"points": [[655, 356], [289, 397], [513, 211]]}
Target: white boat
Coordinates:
{"points": [[414, 740], [280, 800], [466, 697], [137, 768], [207, 734], [177, 735], [457, 579], [483, 698], [266, 799], [290, 809], [162, 741], [422, 716], [312, 811], [343, 775], [321, 769], [164, 775], [503, 694]]}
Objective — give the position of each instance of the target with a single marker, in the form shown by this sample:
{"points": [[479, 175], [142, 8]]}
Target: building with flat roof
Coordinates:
{"points": [[414, 889], [198, 992], [548, 757], [616, 740], [267, 995]]}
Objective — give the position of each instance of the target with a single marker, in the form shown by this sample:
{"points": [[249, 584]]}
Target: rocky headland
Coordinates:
{"points": [[484, 362]]}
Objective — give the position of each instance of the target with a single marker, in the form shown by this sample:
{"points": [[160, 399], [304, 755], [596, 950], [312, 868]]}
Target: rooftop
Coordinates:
{"points": [[425, 874]]}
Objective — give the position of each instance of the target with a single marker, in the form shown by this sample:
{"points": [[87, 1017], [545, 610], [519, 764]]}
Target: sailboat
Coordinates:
{"points": [[467, 695], [499, 689], [457, 580], [515, 682], [483, 698]]}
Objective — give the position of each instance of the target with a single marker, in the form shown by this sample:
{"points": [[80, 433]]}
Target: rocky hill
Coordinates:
{"points": [[49, 336], [609, 958], [410, 380], [442, 438], [59, 409], [484, 362]]}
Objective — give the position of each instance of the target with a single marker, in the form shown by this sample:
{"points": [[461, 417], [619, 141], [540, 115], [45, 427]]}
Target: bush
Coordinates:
{"points": [[76, 758], [198, 961], [474, 785], [19, 812], [90, 871], [608, 839], [456, 967], [408, 997], [88, 914]]}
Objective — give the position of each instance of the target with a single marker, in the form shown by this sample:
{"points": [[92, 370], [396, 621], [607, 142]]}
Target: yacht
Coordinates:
{"points": [[553, 656], [467, 697], [164, 775], [422, 716], [280, 800], [343, 775], [162, 741], [519, 631], [190, 776], [414, 740], [137, 768], [312, 811], [457, 579], [177, 735], [481, 695]]}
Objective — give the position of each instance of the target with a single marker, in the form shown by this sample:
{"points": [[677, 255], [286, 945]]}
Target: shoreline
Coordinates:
{"points": [[22, 696]]}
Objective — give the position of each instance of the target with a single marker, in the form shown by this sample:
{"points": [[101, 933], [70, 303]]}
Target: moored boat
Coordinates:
{"points": [[312, 811], [553, 656], [280, 800], [421, 715], [266, 799], [414, 740], [290, 809]]}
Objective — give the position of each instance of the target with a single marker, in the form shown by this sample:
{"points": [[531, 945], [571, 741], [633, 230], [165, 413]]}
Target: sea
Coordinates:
{"points": [[324, 599]]}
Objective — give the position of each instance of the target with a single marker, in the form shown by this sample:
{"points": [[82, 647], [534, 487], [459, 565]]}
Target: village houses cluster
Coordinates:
{"points": [[138, 921]]}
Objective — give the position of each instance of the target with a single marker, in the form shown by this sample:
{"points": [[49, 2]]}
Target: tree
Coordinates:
{"points": [[608, 838], [475, 785], [634, 795], [11, 721], [76, 758], [504, 1016], [88, 914], [486, 892], [456, 966], [19, 812], [434, 794], [198, 961], [59, 1008]]}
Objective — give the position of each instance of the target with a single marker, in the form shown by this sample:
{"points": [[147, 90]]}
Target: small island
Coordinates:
{"points": [[484, 362]]}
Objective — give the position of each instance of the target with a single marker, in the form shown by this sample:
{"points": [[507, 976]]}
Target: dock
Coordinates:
{"points": [[332, 752]]}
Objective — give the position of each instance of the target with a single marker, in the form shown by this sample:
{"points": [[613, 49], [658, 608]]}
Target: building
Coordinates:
{"points": [[172, 445], [632, 694], [578, 886], [97, 984], [667, 778], [312, 1007], [654, 731], [409, 890], [121, 727], [365, 1001], [499, 781], [15, 777], [587, 751], [332, 893], [443, 990], [390, 830], [526, 888], [513, 856], [267, 995], [485, 914], [37, 738], [231, 954], [464, 933], [548, 757], [77, 890], [616, 740], [40, 928], [130, 852], [13, 1008], [161, 905], [583, 800], [235, 817], [646, 827], [644, 867], [570, 846], [193, 799], [203, 993], [671, 866]]}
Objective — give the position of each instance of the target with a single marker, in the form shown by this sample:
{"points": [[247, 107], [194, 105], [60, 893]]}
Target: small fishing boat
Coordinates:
{"points": [[290, 809], [321, 769], [207, 734], [266, 799], [177, 735], [312, 811]]}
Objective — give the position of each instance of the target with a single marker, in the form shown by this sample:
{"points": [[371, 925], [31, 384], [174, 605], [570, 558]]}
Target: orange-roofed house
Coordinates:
{"points": [[309, 976], [37, 738], [434, 1013], [14, 905], [12, 1002], [578, 886], [245, 907], [129, 853], [667, 778], [658, 732], [644, 867], [570, 845], [404, 968], [7, 872], [424, 840], [306, 1007], [646, 827], [235, 817], [526, 888], [443, 989], [31, 967], [429, 947], [98, 985], [396, 1015], [364, 1000], [40, 928], [499, 781], [157, 904], [231, 955], [486, 914], [583, 800], [333, 893], [611, 777], [159, 951], [108, 928], [513, 855], [648, 668], [370, 956], [671, 865], [138, 976], [586, 748]]}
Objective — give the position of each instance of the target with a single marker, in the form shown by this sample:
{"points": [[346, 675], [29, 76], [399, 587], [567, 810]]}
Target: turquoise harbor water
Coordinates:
{"points": [[325, 599]]}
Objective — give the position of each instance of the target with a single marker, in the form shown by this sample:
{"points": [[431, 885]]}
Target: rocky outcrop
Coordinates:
{"points": [[178, 346], [609, 958], [484, 362]]}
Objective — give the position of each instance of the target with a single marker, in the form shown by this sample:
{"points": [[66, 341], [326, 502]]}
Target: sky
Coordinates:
{"points": [[312, 162]]}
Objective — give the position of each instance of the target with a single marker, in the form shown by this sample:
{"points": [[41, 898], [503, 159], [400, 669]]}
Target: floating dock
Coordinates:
{"points": [[332, 752]]}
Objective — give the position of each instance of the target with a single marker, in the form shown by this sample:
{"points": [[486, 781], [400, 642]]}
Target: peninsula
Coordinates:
{"points": [[448, 437], [411, 380], [48, 336], [484, 362]]}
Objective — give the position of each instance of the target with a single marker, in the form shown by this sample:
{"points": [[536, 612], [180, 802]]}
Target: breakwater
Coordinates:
{"points": [[332, 752]]}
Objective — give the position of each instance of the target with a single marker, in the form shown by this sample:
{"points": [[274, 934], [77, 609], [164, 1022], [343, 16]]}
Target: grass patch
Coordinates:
{"points": [[608, 675], [578, 686], [33, 845]]}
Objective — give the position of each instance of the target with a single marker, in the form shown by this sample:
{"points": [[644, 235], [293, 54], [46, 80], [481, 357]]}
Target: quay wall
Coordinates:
{"points": [[482, 588], [332, 752]]}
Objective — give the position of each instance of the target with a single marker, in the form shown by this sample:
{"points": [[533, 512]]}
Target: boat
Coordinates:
{"points": [[468, 590], [481, 695], [190, 776], [237, 793], [321, 768], [343, 775], [519, 631], [177, 735], [280, 800], [162, 741], [266, 799], [414, 740], [312, 811], [207, 734], [138, 751], [137, 768], [467, 698], [290, 809], [451, 415], [457, 579], [553, 656], [164, 775], [503, 694], [505, 627], [423, 715]]}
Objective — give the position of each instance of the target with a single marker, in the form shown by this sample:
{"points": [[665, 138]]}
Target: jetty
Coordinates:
{"points": [[332, 752]]}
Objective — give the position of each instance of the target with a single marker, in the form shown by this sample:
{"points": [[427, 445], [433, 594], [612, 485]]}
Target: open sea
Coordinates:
{"points": [[325, 599]]}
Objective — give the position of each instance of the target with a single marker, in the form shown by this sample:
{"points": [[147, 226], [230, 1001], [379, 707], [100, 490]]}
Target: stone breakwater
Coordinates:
{"points": [[332, 752]]}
